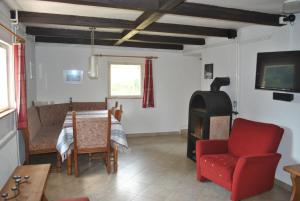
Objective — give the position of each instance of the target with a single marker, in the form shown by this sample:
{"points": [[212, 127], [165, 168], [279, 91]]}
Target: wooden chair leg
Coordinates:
{"points": [[69, 163], [58, 162], [116, 158], [108, 163], [76, 165]]}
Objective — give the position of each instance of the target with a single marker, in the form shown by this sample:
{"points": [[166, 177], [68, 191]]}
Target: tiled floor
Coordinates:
{"points": [[154, 169]]}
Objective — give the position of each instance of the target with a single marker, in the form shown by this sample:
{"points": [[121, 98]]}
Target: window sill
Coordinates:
{"points": [[6, 112]]}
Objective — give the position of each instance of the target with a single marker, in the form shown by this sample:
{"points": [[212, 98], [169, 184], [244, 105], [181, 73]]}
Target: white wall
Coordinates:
{"points": [[8, 134], [30, 71], [224, 59], [176, 77], [8, 147], [258, 104]]}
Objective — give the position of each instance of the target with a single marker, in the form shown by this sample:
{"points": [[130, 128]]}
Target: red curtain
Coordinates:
{"points": [[148, 98], [20, 85]]}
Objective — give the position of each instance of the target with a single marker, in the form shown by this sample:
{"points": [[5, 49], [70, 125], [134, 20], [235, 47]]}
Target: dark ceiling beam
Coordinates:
{"points": [[168, 39], [67, 33], [192, 30], [44, 18], [46, 39], [186, 9], [222, 13], [148, 18], [73, 20]]}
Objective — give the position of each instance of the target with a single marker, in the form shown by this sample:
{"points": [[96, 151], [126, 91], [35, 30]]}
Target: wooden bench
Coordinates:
{"points": [[45, 124]]}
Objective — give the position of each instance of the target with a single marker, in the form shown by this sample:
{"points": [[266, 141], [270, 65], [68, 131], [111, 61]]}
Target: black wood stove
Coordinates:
{"points": [[210, 115]]}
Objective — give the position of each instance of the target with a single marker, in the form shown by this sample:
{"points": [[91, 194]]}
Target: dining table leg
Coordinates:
{"points": [[69, 163]]}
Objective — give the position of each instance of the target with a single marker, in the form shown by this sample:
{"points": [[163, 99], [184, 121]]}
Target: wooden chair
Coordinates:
{"points": [[118, 113], [92, 135]]}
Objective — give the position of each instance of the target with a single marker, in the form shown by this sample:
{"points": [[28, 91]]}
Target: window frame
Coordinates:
{"points": [[126, 96], [10, 80]]}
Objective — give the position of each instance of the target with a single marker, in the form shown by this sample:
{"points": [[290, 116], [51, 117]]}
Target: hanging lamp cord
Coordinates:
{"points": [[92, 40]]}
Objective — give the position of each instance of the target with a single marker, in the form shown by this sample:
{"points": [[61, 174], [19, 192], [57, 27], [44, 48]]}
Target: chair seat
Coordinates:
{"points": [[219, 168]]}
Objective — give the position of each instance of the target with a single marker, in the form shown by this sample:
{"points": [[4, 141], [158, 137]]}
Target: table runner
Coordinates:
{"points": [[65, 139]]}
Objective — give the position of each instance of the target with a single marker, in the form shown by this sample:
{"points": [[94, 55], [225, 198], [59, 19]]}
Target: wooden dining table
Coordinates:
{"points": [[65, 140]]}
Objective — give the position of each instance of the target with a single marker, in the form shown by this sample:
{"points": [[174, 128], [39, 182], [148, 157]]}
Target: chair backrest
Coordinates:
{"points": [[84, 106], [118, 113], [91, 134], [253, 138]]}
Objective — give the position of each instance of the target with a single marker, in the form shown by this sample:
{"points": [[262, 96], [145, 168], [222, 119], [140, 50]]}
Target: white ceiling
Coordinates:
{"points": [[267, 6], [197, 21]]}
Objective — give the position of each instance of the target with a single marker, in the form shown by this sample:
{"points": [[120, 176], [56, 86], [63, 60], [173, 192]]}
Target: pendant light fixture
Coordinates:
{"points": [[93, 70]]}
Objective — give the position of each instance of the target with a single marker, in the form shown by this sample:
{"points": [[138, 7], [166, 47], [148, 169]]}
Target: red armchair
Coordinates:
{"points": [[246, 163]]}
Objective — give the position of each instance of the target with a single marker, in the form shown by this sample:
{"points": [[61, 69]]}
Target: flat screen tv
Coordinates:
{"points": [[279, 71]]}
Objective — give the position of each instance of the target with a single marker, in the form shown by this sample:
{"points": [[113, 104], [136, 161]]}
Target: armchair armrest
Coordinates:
{"points": [[211, 147], [254, 174]]}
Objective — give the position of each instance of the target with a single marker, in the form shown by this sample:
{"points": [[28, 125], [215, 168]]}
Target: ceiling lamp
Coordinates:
{"points": [[93, 70]]}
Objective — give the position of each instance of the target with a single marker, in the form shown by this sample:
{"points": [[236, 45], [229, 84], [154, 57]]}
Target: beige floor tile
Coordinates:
{"points": [[154, 169]]}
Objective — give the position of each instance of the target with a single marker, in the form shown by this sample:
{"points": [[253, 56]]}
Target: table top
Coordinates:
{"points": [[34, 189], [293, 169]]}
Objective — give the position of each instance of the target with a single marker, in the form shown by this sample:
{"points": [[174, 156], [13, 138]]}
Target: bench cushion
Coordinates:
{"points": [[34, 123], [45, 140], [53, 115]]}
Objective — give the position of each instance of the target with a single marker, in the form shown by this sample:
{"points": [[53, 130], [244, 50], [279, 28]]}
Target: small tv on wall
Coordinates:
{"points": [[279, 71]]}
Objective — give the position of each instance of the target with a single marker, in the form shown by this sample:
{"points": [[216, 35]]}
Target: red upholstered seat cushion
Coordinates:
{"points": [[76, 199], [219, 168], [253, 138]]}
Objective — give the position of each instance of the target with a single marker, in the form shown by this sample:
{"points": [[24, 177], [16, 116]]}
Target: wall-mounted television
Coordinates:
{"points": [[279, 71]]}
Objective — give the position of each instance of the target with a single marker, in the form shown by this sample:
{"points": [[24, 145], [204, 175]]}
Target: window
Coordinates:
{"points": [[4, 79], [125, 80]]}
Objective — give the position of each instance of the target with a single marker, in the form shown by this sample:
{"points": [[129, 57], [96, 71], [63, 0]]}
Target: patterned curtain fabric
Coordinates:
{"points": [[148, 98], [20, 85]]}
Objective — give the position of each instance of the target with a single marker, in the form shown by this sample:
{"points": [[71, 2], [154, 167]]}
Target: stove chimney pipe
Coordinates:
{"points": [[218, 83]]}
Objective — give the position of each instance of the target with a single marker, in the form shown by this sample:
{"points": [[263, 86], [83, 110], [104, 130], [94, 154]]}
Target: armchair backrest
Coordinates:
{"points": [[253, 138]]}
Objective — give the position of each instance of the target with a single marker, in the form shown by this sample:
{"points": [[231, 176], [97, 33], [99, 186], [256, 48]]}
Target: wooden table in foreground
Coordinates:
{"points": [[34, 189], [294, 170]]}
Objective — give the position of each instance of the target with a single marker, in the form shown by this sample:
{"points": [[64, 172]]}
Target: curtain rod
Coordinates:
{"points": [[109, 55], [18, 38]]}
